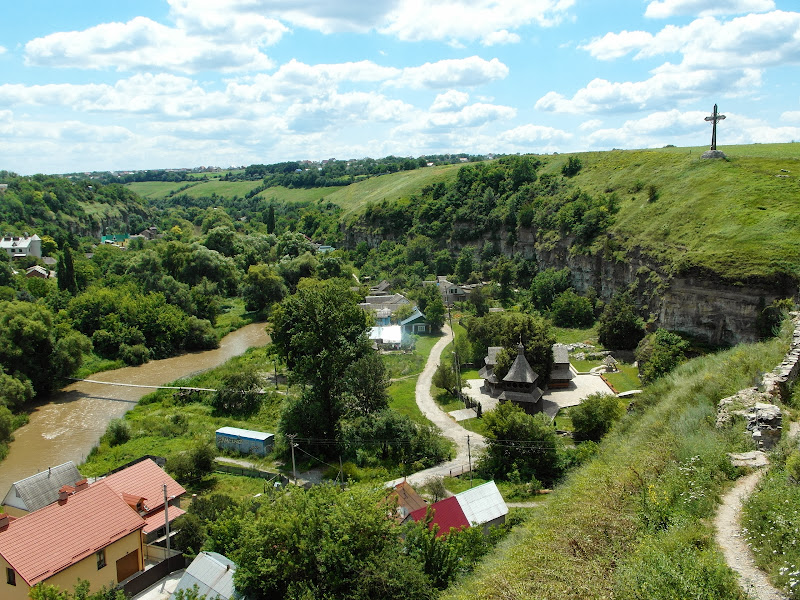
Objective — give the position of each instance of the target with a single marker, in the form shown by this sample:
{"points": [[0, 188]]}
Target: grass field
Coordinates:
{"points": [[351, 198]]}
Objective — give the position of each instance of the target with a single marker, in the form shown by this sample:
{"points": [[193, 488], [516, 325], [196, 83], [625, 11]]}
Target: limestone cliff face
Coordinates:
{"points": [[700, 304]]}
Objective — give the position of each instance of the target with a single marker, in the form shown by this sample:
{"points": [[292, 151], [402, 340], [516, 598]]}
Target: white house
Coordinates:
{"points": [[20, 246]]}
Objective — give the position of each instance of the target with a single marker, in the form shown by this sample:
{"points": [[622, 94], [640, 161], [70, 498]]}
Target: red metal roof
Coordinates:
{"points": [[49, 540], [156, 519], [447, 514], [145, 480]]}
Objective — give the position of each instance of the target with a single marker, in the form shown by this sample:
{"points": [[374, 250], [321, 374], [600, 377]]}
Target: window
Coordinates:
{"points": [[11, 576], [101, 559]]}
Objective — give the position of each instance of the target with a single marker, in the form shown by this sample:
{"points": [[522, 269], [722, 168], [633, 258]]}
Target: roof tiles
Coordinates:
{"points": [[47, 541]]}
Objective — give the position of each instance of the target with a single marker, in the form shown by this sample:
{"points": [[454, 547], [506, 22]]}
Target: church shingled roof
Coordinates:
{"points": [[521, 371]]}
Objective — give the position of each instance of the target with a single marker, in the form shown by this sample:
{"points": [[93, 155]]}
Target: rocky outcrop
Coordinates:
{"points": [[764, 420]]}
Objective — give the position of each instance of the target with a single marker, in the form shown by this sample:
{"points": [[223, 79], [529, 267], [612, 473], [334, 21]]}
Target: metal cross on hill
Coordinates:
{"points": [[714, 118]]}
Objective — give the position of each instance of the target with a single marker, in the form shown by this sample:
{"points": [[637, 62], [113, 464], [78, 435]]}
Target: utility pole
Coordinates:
{"points": [[469, 457], [291, 437], [166, 517]]}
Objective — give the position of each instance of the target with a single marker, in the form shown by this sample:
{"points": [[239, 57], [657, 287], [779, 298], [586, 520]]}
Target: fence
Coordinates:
{"points": [[250, 472], [145, 579]]}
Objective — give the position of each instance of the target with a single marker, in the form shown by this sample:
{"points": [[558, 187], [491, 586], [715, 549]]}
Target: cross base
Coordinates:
{"points": [[714, 154]]}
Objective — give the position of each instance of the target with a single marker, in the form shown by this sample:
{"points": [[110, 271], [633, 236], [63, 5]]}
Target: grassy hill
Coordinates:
{"points": [[352, 198], [737, 217]]}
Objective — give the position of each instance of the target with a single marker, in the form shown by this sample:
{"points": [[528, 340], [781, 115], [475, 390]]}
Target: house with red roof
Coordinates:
{"points": [[89, 533], [141, 486], [482, 506]]}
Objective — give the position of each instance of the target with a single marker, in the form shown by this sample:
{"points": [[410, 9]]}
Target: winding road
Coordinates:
{"points": [[467, 442]]}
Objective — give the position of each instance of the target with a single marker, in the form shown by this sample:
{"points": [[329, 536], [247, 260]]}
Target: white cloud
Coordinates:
{"points": [[534, 134], [160, 94], [615, 45], [496, 38], [724, 57], [468, 72], [757, 40], [665, 88], [590, 124], [454, 122], [2, 50], [319, 114], [662, 9], [449, 100], [470, 20], [320, 15], [142, 44], [791, 116]]}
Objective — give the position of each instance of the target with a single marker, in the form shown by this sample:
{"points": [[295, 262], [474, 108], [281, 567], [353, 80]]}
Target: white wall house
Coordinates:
{"points": [[19, 246]]}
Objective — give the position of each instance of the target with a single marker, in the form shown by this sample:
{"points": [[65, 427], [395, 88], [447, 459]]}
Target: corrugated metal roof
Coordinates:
{"points": [[482, 504], [37, 491], [47, 541], [245, 433], [447, 514], [414, 316], [212, 573], [390, 334], [146, 480]]}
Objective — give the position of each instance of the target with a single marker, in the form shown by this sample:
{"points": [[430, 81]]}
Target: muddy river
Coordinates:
{"points": [[71, 422]]}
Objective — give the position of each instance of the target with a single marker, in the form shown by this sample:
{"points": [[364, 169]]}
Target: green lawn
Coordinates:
{"points": [[626, 380], [402, 398], [566, 335]]}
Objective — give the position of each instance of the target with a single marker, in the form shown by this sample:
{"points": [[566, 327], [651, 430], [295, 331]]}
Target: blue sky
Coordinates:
{"points": [[89, 85]]}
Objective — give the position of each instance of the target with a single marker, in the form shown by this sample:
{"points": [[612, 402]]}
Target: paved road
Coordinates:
{"points": [[448, 427]]}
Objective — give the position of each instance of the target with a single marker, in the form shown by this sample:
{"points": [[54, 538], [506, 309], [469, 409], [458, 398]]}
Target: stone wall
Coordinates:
{"points": [[764, 419]]}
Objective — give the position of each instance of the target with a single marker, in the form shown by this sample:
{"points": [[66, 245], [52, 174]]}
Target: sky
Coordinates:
{"points": [[143, 84]]}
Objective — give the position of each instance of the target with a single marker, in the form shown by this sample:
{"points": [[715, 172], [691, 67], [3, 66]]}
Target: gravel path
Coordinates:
{"points": [[448, 427], [734, 547]]}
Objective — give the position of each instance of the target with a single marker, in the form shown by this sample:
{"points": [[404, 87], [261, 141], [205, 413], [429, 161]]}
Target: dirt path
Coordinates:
{"points": [[733, 545], [467, 442]]}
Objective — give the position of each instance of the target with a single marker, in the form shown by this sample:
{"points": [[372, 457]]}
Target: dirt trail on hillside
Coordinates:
{"points": [[732, 543]]}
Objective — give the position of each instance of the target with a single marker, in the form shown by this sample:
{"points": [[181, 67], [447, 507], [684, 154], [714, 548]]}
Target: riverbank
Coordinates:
{"points": [[70, 423]]}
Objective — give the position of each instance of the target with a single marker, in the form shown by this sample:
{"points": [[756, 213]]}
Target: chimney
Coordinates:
{"points": [[81, 485], [4, 520], [65, 492]]}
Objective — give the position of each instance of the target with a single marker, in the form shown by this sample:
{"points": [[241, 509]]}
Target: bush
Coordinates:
{"points": [[193, 464], [593, 417], [118, 432], [659, 353], [620, 327], [572, 167], [240, 392], [134, 355], [571, 310]]}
